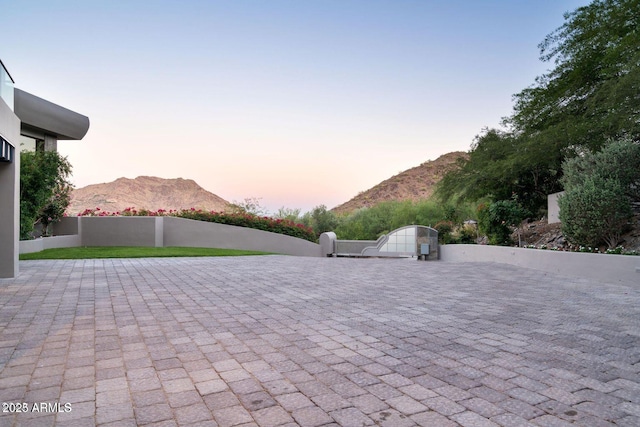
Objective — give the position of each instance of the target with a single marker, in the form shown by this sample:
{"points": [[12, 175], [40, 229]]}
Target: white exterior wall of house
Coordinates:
{"points": [[22, 113], [9, 188]]}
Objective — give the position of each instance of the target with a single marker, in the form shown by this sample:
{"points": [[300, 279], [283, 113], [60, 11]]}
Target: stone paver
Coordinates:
{"points": [[285, 341]]}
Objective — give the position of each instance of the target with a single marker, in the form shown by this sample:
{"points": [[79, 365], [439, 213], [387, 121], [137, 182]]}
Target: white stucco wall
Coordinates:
{"points": [[169, 231], [607, 268], [9, 195], [187, 232], [553, 210], [37, 245], [118, 231]]}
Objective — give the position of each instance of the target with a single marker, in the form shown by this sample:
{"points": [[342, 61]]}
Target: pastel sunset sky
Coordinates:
{"points": [[297, 102]]}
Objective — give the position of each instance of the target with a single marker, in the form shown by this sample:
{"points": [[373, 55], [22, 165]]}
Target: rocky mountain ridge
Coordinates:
{"points": [[145, 192], [413, 184]]}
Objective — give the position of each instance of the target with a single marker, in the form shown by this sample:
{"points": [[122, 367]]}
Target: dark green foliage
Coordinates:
{"points": [[618, 160], [467, 234], [451, 213], [498, 219], [594, 212], [367, 223], [371, 223], [322, 220], [44, 189], [591, 95], [444, 228], [599, 190], [500, 166]]}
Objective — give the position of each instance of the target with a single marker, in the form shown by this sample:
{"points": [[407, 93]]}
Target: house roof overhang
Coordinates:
{"points": [[39, 117]]}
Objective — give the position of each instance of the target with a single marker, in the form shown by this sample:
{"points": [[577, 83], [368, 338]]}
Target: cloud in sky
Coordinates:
{"points": [[298, 102]]}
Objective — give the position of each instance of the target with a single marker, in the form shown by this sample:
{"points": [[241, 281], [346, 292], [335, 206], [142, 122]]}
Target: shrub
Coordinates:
{"points": [[497, 219], [54, 210], [444, 229], [618, 161], [599, 189], [466, 234], [594, 212], [281, 226]]}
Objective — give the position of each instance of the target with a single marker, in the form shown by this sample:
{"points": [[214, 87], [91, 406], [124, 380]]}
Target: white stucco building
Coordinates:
{"points": [[27, 119]]}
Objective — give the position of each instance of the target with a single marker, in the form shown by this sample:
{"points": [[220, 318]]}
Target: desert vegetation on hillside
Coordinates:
{"points": [[415, 184]]}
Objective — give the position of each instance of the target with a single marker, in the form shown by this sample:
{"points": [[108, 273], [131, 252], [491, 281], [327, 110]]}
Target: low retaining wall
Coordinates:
{"points": [[121, 231], [166, 231], [37, 245], [187, 232], [609, 268]]}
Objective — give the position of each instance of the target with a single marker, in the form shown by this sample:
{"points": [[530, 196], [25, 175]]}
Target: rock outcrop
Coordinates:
{"points": [[145, 192]]}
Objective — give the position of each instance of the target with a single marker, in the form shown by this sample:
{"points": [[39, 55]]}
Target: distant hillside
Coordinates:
{"points": [[413, 184], [145, 192]]}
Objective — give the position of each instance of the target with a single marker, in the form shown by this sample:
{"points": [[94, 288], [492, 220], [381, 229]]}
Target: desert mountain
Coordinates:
{"points": [[145, 192], [413, 184]]}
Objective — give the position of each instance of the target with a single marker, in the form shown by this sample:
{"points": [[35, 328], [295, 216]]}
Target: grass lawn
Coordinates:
{"points": [[132, 252]]}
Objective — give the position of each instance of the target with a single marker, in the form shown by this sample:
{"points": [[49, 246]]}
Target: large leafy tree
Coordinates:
{"points": [[499, 219], [44, 189], [320, 220], [500, 166], [593, 92], [591, 95]]}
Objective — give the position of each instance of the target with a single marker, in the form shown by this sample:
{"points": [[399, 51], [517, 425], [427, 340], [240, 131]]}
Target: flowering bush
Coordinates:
{"points": [[619, 250], [544, 247], [243, 219], [240, 219], [588, 249]]}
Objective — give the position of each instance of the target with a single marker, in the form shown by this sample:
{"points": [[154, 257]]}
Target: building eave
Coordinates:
{"points": [[39, 117]]}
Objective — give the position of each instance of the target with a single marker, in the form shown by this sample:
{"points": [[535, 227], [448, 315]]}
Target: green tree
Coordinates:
{"points": [[44, 189], [588, 97], [320, 220], [497, 168], [592, 92], [498, 219]]}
